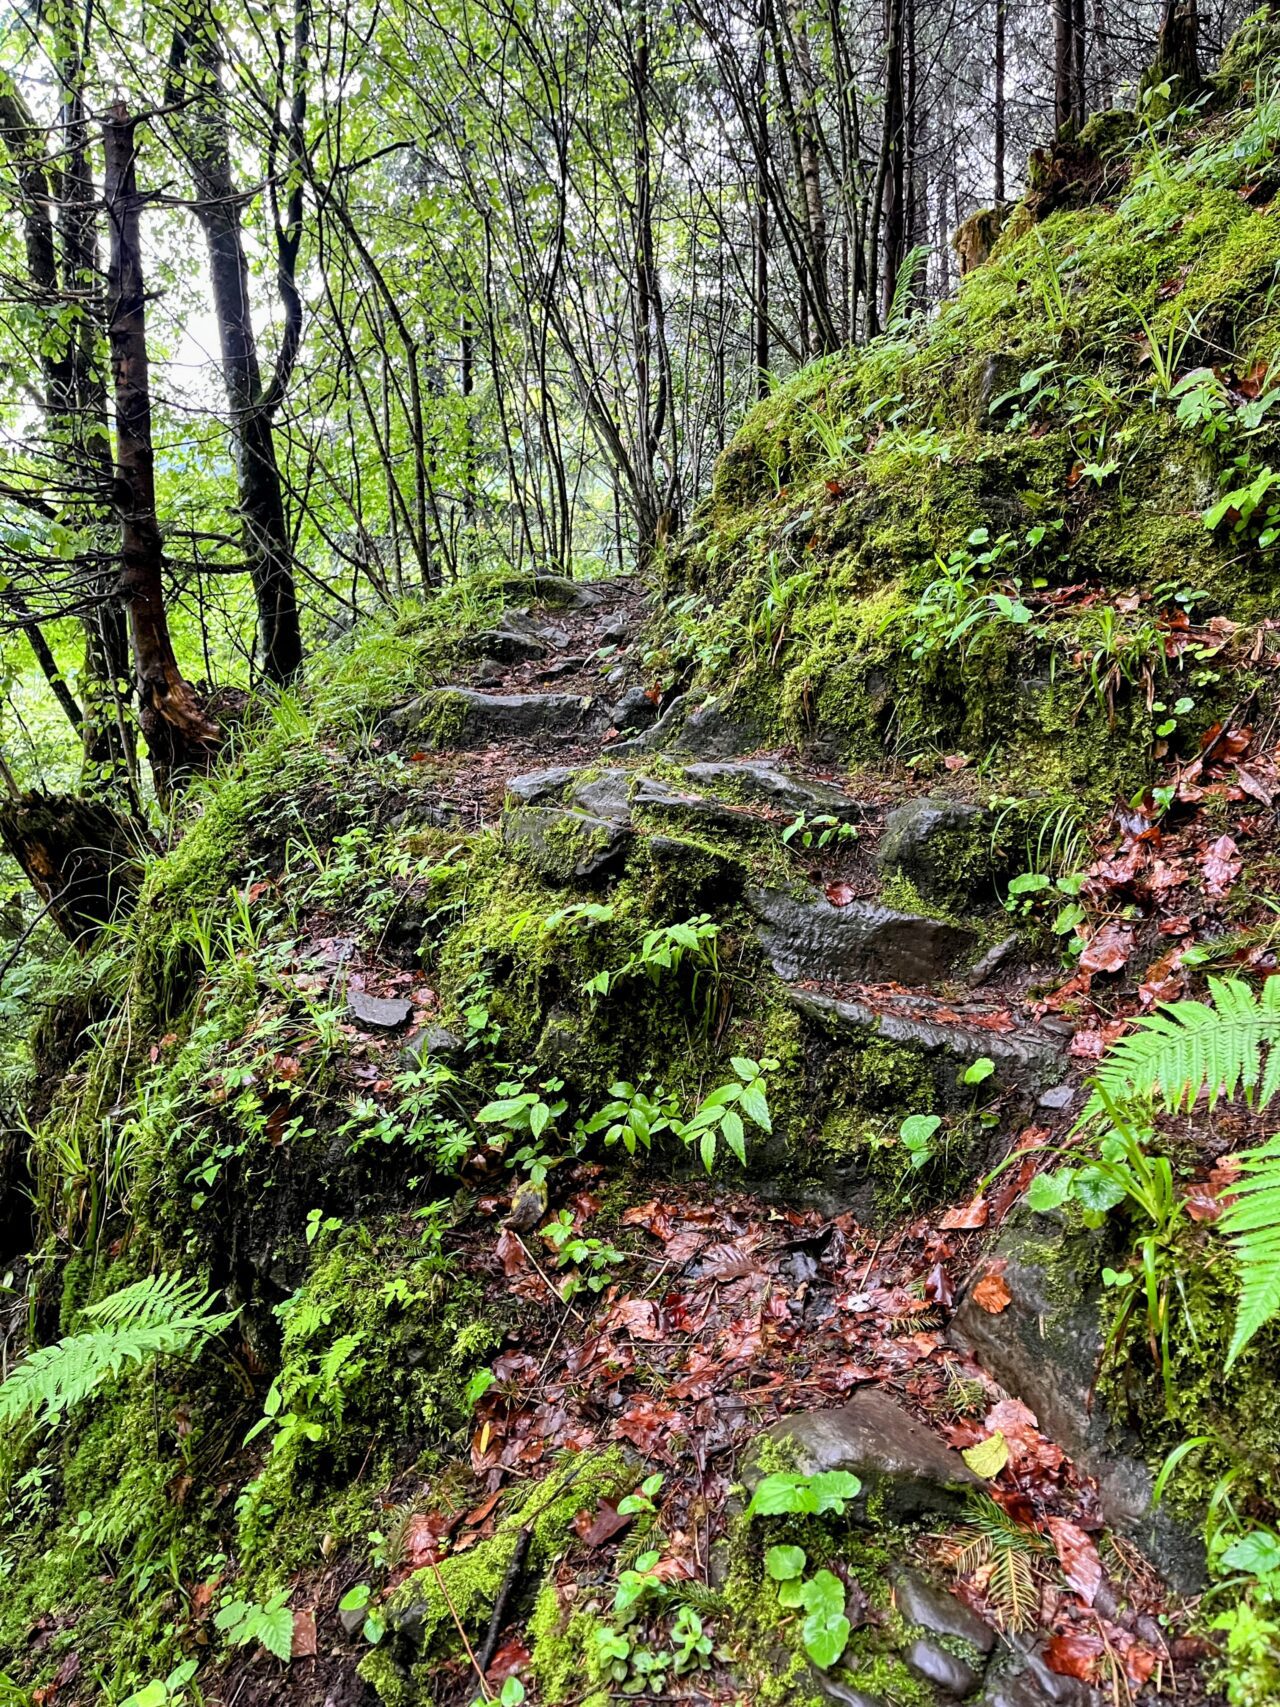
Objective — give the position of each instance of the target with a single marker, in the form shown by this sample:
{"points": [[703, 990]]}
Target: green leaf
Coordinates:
{"points": [[825, 1631], [1097, 1191], [1257, 1553], [275, 1631], [783, 1563], [754, 1104], [1050, 1191], [979, 1070]]}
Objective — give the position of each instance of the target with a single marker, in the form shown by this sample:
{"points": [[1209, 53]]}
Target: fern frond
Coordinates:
{"points": [[913, 264], [994, 1542], [1188, 1048], [1252, 1223], [162, 1314]]}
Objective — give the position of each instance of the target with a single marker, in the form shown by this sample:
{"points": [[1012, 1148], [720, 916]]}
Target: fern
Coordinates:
{"points": [[910, 274], [1252, 1223], [1187, 1048], [160, 1314]]}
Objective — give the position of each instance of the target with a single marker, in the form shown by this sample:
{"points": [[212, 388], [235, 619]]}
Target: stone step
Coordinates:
{"points": [[1024, 1058], [759, 783], [861, 942], [465, 717]]}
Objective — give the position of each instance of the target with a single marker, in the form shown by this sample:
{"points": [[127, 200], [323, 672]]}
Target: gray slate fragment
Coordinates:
{"points": [[898, 1461], [991, 962], [765, 785], [813, 939], [505, 645], [635, 710], [378, 1013], [939, 1611], [534, 786], [919, 839], [659, 799], [606, 796], [1025, 1059], [710, 732], [1057, 1097], [944, 1670], [842, 1694], [432, 1043]]}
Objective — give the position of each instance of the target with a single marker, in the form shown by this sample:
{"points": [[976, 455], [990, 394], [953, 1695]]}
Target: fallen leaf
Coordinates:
{"points": [[1221, 866], [1108, 950], [635, 1316], [966, 1216], [992, 1294], [1075, 1654], [647, 1423], [594, 1529], [1078, 1557], [988, 1457], [304, 1634]]}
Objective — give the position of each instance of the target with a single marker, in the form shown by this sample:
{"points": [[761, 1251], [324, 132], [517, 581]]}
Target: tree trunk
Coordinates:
{"points": [[267, 546], [82, 858], [180, 737], [893, 153], [1177, 57], [999, 102], [760, 224], [1063, 69]]}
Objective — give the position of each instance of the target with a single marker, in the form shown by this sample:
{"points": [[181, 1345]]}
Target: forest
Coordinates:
{"points": [[639, 864]]}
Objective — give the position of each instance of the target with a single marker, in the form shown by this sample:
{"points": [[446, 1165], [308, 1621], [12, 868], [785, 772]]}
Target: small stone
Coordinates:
{"points": [[504, 645], [896, 1458], [352, 1619], [378, 1013], [710, 732], [842, 1694], [1057, 1097], [432, 1043], [660, 800], [938, 1611], [936, 1665], [635, 710]]}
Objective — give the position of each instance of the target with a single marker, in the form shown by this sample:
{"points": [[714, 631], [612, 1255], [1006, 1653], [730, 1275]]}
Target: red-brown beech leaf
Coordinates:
{"points": [[1075, 1654], [595, 1529], [1078, 1557], [647, 1423], [304, 1634], [840, 894], [966, 1216], [1221, 866], [992, 1294], [1108, 950]]}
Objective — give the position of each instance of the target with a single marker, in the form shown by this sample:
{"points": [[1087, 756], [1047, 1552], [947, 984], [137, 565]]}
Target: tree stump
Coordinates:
{"points": [[83, 859]]}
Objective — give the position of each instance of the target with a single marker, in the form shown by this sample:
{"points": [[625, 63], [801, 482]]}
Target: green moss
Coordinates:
{"points": [[560, 1651], [423, 1610]]}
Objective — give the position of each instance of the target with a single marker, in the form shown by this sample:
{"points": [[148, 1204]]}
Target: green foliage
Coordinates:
{"points": [[788, 1493], [268, 1622], [170, 1691], [160, 1315], [720, 1113], [824, 1631], [990, 1537], [1188, 1048], [1252, 1223]]}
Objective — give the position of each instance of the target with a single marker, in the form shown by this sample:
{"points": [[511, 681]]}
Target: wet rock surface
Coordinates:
{"points": [[813, 939], [1022, 1058], [938, 1611], [937, 1665], [762, 784], [562, 843], [901, 1464], [1045, 1348], [472, 719], [923, 839]]}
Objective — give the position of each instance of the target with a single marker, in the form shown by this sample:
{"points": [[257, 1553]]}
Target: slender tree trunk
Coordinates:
{"points": [[999, 144], [1177, 49], [195, 72], [1079, 87], [1063, 64], [760, 222], [893, 198], [180, 737]]}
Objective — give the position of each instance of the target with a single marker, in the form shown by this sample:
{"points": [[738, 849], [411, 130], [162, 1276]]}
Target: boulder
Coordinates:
{"points": [[504, 645], [1024, 1059], [557, 590], [535, 786], [606, 796], [938, 844], [904, 1468], [813, 939], [659, 800], [563, 844], [938, 1611], [635, 710], [711, 732], [378, 1013], [1044, 1348], [763, 784], [937, 1665], [462, 717]]}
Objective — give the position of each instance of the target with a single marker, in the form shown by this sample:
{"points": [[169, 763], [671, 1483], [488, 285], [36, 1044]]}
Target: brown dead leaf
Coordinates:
{"points": [[594, 1529], [1075, 1654], [1078, 1557], [1108, 950], [1221, 866], [966, 1216], [840, 894], [304, 1634], [992, 1294]]}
